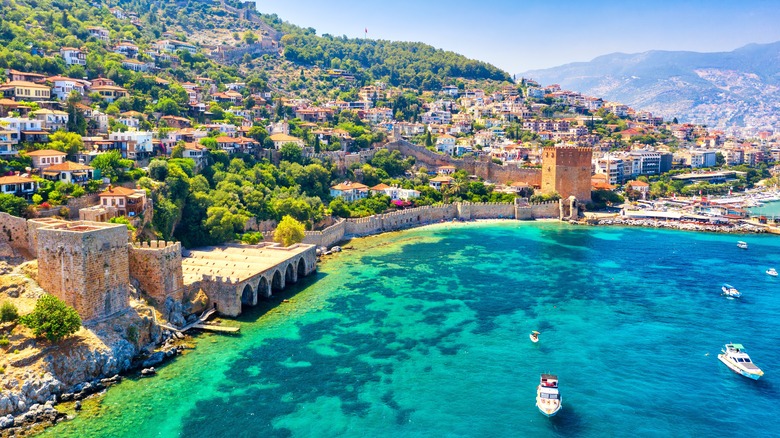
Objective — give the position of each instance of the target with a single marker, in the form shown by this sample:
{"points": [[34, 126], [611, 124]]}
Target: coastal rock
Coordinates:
{"points": [[6, 422], [77, 405], [154, 359]]}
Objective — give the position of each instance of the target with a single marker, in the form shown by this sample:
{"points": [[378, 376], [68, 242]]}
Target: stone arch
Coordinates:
{"points": [[289, 274], [263, 288], [248, 295], [277, 281], [301, 270]]}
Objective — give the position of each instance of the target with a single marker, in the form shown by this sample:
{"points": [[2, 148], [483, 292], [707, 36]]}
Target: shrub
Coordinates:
{"points": [[132, 334], [4, 342], [8, 312], [52, 318]]}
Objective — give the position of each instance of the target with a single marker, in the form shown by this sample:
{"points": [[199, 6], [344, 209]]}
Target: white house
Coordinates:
{"points": [[281, 139], [41, 159], [349, 191], [73, 56], [133, 143], [69, 172], [18, 185], [62, 86], [52, 119], [446, 144]]}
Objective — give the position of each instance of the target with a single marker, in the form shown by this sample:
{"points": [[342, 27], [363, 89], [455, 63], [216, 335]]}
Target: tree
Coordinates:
{"points": [[76, 121], [291, 152], [52, 318], [111, 164], [289, 231], [720, 160], [158, 170], [250, 37], [68, 142], [12, 204]]}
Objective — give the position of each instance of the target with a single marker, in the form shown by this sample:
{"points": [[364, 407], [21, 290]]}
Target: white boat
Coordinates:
{"points": [[772, 272], [534, 336], [734, 356], [742, 244], [730, 291], [548, 399]]}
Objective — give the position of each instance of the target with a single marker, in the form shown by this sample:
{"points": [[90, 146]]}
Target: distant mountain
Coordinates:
{"points": [[724, 89]]}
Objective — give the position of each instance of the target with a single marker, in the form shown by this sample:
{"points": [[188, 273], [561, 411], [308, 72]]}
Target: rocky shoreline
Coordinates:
{"points": [[673, 225]]}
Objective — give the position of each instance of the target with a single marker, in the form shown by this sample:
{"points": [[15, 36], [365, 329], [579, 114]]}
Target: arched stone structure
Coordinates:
{"points": [[289, 274], [300, 270], [277, 281], [248, 295], [263, 288]]}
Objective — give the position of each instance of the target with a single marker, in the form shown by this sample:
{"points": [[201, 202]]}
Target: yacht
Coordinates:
{"points": [[742, 244], [772, 272], [548, 399], [730, 291], [734, 356]]}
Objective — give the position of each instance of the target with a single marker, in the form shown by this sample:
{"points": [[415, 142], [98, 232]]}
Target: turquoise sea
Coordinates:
{"points": [[425, 333], [769, 209]]}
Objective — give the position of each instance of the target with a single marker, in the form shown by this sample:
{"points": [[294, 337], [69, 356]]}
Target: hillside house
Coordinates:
{"points": [[73, 56], [349, 191], [128, 202], [69, 172], [24, 90], [21, 186]]}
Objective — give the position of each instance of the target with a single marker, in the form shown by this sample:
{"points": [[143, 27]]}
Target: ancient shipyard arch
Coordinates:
{"points": [[236, 275]]}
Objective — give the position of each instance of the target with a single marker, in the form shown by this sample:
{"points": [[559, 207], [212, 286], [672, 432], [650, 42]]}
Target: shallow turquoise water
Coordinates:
{"points": [[425, 333], [769, 209]]}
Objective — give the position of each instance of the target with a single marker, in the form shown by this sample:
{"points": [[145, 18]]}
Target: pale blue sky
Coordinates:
{"points": [[521, 35]]}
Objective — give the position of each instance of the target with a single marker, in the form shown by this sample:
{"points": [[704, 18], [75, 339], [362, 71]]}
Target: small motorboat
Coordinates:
{"points": [[734, 356], [742, 244], [772, 272], [534, 336], [730, 291], [548, 399]]}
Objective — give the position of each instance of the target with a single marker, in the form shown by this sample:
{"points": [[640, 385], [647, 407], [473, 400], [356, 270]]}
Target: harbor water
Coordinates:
{"points": [[425, 333]]}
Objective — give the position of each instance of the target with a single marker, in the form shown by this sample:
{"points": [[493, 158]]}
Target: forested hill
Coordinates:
{"points": [[406, 64]]}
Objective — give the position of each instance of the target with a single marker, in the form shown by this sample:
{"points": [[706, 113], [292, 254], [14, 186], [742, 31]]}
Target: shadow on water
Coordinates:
{"points": [[250, 314], [568, 422]]}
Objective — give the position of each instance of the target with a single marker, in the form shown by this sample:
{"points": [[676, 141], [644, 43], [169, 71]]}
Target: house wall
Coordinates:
{"points": [[156, 266], [86, 266]]}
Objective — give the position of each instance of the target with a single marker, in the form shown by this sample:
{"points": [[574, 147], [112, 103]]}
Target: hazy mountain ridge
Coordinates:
{"points": [[722, 89]]}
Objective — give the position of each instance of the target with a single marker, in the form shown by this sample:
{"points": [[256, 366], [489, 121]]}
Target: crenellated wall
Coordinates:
{"points": [[156, 266]]}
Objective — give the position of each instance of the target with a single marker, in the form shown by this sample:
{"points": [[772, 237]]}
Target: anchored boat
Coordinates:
{"points": [[772, 272], [734, 356], [730, 291], [742, 244], [548, 399]]}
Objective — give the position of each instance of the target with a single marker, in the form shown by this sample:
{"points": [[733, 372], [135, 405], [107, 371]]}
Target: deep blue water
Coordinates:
{"points": [[425, 333]]}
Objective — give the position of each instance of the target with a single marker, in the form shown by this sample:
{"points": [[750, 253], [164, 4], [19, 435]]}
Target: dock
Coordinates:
{"points": [[200, 324], [217, 328]]}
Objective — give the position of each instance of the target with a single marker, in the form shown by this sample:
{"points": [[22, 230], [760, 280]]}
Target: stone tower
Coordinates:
{"points": [[566, 170], [86, 265], [156, 266]]}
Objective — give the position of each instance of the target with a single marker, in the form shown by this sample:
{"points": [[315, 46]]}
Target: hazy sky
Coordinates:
{"points": [[520, 35]]}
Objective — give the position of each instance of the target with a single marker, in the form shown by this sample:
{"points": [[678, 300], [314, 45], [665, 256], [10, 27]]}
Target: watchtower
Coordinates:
{"points": [[567, 170], [86, 265]]}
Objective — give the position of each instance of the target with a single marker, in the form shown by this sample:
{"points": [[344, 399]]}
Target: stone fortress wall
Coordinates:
{"points": [[414, 217], [86, 265], [156, 266], [13, 236], [484, 169]]}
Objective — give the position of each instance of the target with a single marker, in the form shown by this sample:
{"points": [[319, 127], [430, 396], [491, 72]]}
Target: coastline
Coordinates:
{"points": [[96, 387]]}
